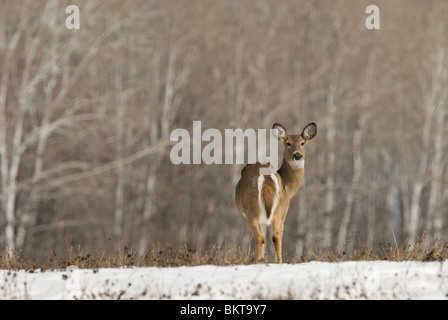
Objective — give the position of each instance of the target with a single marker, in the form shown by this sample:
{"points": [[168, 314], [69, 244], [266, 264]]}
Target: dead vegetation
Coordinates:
{"points": [[167, 255]]}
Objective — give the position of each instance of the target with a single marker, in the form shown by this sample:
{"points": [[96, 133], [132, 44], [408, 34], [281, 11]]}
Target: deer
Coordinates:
{"points": [[263, 199]]}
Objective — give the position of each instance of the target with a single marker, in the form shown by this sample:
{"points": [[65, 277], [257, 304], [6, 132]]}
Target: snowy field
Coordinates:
{"points": [[314, 280]]}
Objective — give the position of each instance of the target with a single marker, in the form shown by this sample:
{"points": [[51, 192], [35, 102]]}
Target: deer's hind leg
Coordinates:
{"points": [[258, 237], [277, 236], [264, 247]]}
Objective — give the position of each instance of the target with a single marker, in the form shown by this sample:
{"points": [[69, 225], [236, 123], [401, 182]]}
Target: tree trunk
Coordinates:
{"points": [[434, 220], [120, 152], [435, 211], [331, 158], [8, 195], [357, 152]]}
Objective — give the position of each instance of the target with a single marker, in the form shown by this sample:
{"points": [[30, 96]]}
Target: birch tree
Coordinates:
{"points": [[176, 76], [435, 98], [9, 172], [27, 120], [357, 150]]}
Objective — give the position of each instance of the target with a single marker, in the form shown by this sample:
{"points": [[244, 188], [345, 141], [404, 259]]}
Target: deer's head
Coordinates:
{"points": [[294, 144]]}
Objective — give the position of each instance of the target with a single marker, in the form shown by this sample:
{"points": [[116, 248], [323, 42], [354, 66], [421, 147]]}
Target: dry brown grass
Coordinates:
{"points": [[409, 251], [169, 256], [158, 255]]}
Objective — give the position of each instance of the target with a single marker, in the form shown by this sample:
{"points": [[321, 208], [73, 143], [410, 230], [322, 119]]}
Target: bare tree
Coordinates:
{"points": [[176, 76], [357, 150], [435, 100]]}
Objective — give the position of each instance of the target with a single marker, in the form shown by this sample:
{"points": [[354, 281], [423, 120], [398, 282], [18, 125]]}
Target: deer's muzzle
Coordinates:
{"points": [[297, 156]]}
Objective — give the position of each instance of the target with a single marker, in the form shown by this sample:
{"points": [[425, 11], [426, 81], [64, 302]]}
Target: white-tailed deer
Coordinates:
{"points": [[264, 199]]}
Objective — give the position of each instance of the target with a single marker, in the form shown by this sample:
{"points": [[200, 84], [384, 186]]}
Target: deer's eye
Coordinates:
{"points": [[288, 144], [302, 143]]}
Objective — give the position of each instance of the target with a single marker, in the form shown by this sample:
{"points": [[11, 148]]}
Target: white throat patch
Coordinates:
{"points": [[297, 164]]}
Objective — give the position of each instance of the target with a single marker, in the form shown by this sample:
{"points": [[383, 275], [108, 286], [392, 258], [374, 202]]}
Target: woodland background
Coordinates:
{"points": [[85, 119]]}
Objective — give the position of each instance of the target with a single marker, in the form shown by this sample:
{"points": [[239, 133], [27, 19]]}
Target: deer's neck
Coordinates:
{"points": [[291, 178]]}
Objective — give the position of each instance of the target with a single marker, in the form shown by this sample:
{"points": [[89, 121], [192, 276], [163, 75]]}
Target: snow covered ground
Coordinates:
{"points": [[314, 280]]}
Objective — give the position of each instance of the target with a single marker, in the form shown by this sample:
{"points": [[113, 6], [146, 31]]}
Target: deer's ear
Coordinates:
{"points": [[281, 131], [309, 132]]}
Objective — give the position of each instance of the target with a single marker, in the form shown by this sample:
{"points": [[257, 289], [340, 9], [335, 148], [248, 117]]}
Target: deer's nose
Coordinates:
{"points": [[297, 156]]}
